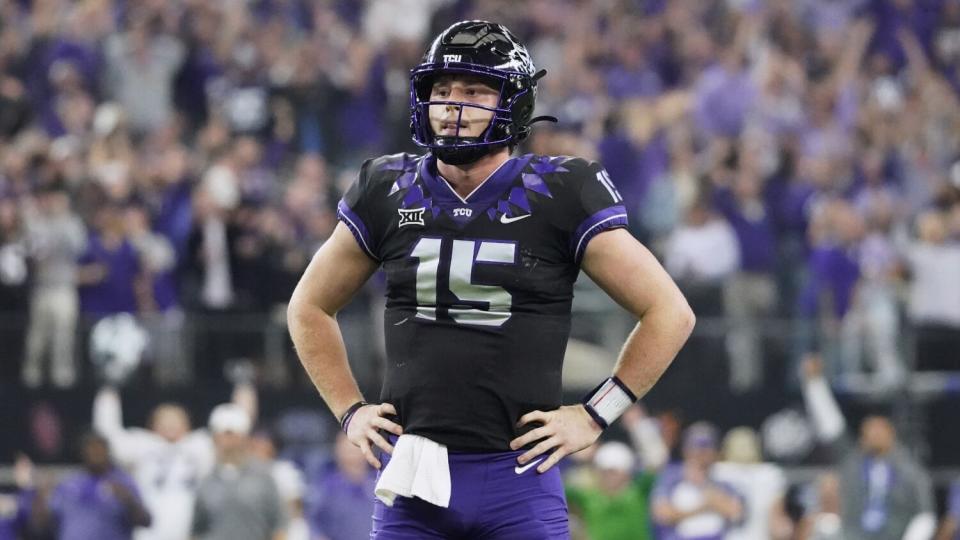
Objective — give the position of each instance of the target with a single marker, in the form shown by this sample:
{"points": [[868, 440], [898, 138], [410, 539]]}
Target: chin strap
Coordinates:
{"points": [[544, 118]]}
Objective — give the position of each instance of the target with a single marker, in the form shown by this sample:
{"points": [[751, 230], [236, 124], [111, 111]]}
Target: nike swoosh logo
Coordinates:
{"points": [[521, 470], [507, 220]]}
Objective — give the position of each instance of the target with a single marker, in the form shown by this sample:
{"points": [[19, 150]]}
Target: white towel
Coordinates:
{"points": [[418, 468]]}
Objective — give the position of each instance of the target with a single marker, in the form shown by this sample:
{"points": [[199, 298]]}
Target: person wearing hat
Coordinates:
{"points": [[688, 501], [167, 459], [239, 500], [616, 508], [612, 501], [762, 485], [885, 492]]}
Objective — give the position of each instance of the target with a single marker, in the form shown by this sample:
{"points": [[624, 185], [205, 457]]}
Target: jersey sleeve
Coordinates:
{"points": [[356, 211], [599, 208], [199, 445]]}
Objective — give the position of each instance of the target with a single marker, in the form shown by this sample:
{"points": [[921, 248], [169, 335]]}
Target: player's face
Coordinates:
{"points": [[230, 443], [448, 120], [263, 448], [700, 456], [170, 422], [877, 435], [613, 481], [96, 454]]}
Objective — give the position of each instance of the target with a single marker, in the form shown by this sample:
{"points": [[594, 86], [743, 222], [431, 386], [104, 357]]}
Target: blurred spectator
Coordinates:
{"points": [[672, 193], [885, 492], [934, 302], [290, 484], [725, 92], [100, 502], [832, 274], [166, 218], [618, 505], [15, 110], [873, 324], [14, 288], [700, 255], [142, 64], [157, 259], [211, 265], [110, 272], [950, 526], [239, 499], [55, 238], [762, 486], [750, 295], [16, 508], [112, 157], [689, 502], [167, 461], [822, 518], [339, 505]]}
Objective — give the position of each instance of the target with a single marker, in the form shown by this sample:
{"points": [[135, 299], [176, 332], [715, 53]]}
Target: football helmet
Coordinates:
{"points": [[117, 344], [488, 51]]}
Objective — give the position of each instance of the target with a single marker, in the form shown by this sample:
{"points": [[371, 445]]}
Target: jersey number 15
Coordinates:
{"points": [[464, 255]]}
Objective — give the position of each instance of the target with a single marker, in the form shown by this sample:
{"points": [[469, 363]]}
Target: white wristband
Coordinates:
{"points": [[608, 401]]}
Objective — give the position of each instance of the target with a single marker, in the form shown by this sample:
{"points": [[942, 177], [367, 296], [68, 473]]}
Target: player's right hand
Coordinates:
{"points": [[364, 429]]}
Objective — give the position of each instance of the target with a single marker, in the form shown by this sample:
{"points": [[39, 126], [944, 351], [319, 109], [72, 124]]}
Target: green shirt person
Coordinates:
{"points": [[617, 505]]}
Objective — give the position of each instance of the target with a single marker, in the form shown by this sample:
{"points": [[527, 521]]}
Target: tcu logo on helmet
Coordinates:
{"points": [[452, 57]]}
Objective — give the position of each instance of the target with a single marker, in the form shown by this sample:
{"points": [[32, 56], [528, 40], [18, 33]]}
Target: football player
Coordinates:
{"points": [[481, 249], [168, 460]]}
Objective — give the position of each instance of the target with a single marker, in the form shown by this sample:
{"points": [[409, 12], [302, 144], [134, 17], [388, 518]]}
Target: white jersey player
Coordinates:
{"points": [[167, 461]]}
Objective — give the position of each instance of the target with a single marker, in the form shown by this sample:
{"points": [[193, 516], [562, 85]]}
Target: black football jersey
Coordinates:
{"points": [[479, 288]]}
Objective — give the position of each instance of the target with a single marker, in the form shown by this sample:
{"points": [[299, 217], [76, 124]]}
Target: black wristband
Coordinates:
{"points": [[345, 419]]}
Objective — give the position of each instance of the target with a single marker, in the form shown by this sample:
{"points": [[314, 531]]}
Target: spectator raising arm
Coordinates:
{"points": [[136, 513], [950, 525], [127, 444], [646, 439], [828, 422]]}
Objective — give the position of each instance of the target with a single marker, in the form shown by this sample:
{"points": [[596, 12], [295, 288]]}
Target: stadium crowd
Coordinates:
{"points": [[797, 160]]}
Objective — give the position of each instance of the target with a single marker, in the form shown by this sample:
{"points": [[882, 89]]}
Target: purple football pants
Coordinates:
{"points": [[489, 500]]}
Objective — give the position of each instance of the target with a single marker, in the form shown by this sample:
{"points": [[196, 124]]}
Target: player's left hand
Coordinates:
{"points": [[566, 430]]}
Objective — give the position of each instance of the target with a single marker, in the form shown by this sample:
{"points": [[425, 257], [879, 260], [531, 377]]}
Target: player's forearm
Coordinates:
{"points": [[319, 344], [828, 421], [645, 436], [138, 514], [652, 346], [665, 513], [245, 395], [729, 507], [108, 413]]}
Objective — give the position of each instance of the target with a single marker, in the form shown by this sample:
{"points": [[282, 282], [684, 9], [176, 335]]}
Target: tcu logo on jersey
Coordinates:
{"points": [[451, 57], [411, 216], [462, 212]]}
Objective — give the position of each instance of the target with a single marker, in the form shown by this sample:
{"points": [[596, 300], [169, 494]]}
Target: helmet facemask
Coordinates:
{"points": [[465, 145], [488, 51]]}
